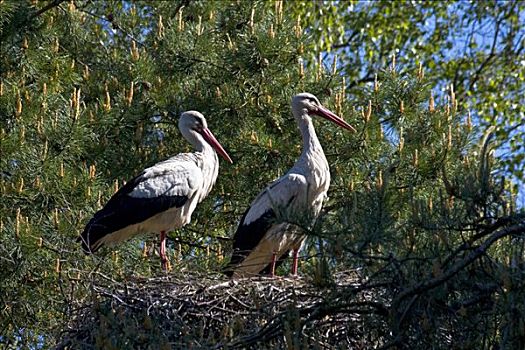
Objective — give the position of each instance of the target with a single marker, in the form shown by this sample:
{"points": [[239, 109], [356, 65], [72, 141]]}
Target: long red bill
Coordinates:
{"points": [[327, 114], [208, 136]]}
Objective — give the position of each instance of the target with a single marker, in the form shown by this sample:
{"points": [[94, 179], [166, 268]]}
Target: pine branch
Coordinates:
{"points": [[46, 8], [478, 252], [487, 229]]}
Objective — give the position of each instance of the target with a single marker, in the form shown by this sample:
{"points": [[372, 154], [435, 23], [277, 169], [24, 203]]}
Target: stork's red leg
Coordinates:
{"points": [[272, 265], [295, 261], [162, 251]]}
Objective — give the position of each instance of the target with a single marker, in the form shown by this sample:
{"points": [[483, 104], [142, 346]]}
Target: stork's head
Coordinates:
{"points": [[192, 123], [306, 103]]}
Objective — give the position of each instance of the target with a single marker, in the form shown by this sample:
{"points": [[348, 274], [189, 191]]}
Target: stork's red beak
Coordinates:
{"points": [[208, 136], [327, 114]]}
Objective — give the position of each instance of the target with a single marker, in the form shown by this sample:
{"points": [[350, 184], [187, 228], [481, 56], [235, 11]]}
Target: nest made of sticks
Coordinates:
{"points": [[211, 312]]}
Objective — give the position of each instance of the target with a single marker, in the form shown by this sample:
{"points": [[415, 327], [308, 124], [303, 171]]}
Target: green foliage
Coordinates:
{"points": [[477, 47], [90, 94]]}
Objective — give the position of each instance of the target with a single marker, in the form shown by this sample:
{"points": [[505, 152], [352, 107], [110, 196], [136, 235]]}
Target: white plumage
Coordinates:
{"points": [[163, 196], [273, 224]]}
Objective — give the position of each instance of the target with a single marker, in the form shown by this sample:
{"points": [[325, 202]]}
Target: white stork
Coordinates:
{"points": [[271, 226], [163, 196]]}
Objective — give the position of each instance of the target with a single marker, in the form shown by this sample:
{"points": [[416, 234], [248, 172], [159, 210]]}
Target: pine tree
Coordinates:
{"points": [[420, 219]]}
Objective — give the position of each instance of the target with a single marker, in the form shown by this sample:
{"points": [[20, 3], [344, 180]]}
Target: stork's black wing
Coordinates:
{"points": [[161, 187]]}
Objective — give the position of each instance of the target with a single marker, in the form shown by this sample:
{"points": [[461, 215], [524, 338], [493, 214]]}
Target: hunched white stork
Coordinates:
{"points": [[271, 226], [163, 196]]}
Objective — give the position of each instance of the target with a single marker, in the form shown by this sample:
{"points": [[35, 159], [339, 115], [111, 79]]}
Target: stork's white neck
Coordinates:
{"points": [[208, 161], [312, 164], [196, 140], [201, 146], [311, 145]]}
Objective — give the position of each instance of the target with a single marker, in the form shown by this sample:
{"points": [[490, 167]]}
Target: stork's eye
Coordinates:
{"points": [[199, 124]]}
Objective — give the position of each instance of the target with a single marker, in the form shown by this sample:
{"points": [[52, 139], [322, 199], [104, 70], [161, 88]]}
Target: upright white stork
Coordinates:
{"points": [[271, 226], [163, 196]]}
